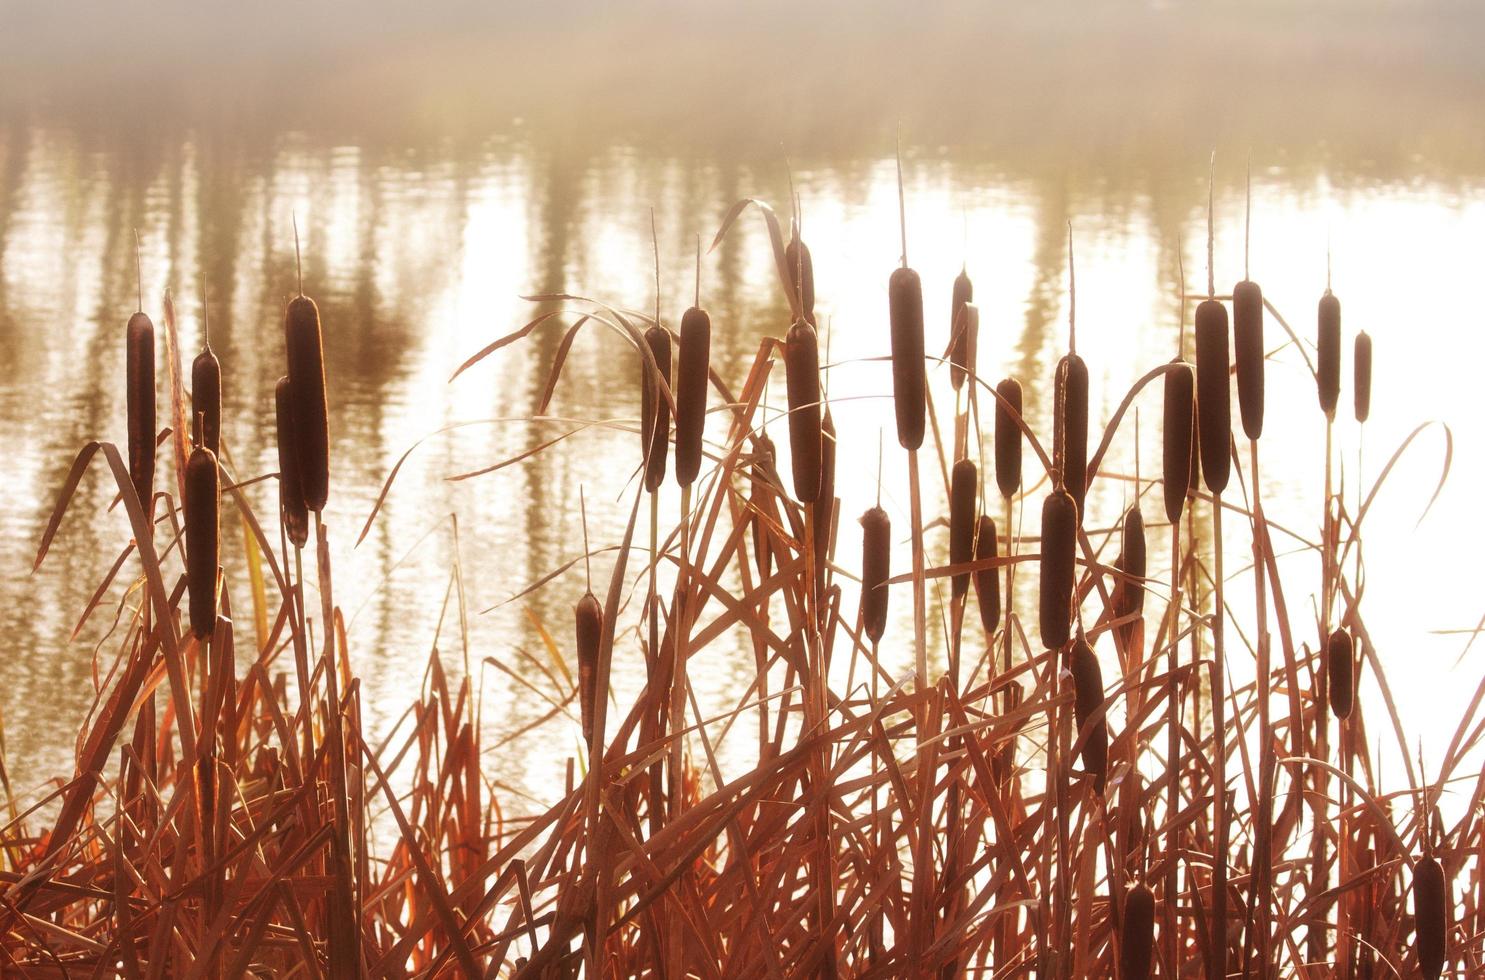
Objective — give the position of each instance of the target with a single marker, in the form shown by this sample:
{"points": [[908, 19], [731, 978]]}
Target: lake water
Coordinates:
{"points": [[433, 188]]}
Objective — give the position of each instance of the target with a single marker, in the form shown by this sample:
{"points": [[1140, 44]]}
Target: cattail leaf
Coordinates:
{"points": [[558, 360], [776, 238]]}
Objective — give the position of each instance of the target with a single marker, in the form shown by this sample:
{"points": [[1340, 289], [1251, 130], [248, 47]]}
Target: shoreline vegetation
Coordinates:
{"points": [[1092, 790]]}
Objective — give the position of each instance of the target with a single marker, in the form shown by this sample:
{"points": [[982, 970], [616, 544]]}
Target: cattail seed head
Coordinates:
{"points": [[1087, 701], [202, 547], [909, 377], [801, 274], [292, 510], [876, 563], [1363, 365], [1177, 437], [654, 428], [1430, 913], [1070, 426], [206, 400], [964, 327], [1328, 353], [692, 365], [963, 495], [1247, 351], [139, 381], [589, 616], [1129, 590], [802, 379], [1213, 394], [1138, 933], [1340, 664], [306, 357], [987, 580], [1058, 570], [1008, 438]]}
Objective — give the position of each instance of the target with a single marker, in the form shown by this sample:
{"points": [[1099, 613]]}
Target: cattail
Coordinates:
{"points": [[963, 490], [1008, 437], [1341, 670], [802, 379], [1059, 543], [801, 274], [1137, 934], [206, 400], [692, 364], [139, 373], [1363, 366], [306, 357], [202, 548], [963, 329], [763, 467], [1129, 591], [292, 511], [1247, 351], [1087, 679], [826, 501], [1430, 912], [876, 562], [909, 378], [1213, 397], [1070, 426], [654, 428], [987, 580], [1328, 353], [1177, 437], [589, 616]]}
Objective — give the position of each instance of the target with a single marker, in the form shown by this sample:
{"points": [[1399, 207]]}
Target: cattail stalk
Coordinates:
{"points": [[654, 408], [692, 366], [802, 379], [139, 384], [292, 510]]}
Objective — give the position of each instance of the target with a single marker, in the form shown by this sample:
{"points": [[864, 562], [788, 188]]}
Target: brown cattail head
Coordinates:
{"points": [[292, 511], [1070, 426], [589, 616], [1247, 351], [987, 580], [139, 381], [909, 377], [1008, 437], [202, 548], [802, 379], [876, 562], [1328, 353], [1178, 437], [1340, 666], [1431, 916], [306, 356], [801, 273], [693, 361], [963, 495], [1087, 679], [761, 493], [1213, 396], [1129, 591], [1138, 933], [206, 400], [654, 427], [1059, 543], [963, 329], [1363, 364], [825, 504]]}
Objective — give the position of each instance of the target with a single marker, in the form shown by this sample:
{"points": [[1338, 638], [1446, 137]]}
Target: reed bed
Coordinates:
{"points": [[1056, 808]]}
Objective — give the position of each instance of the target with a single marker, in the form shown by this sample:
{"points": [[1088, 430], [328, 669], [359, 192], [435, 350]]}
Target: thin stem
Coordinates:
{"points": [[298, 264], [901, 199], [138, 271]]}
